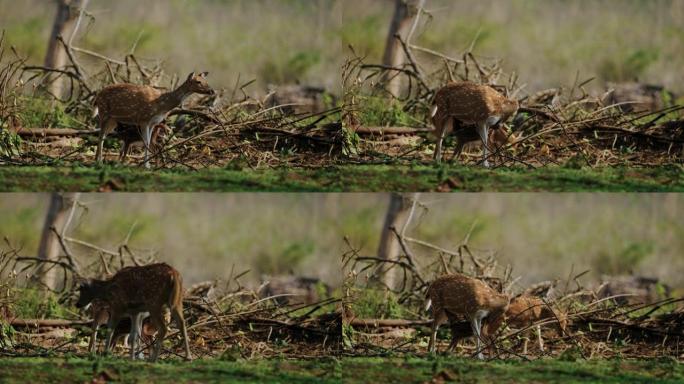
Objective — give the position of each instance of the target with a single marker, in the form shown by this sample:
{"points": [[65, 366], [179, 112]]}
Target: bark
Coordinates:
{"points": [[404, 13], [389, 248], [63, 25], [49, 248]]}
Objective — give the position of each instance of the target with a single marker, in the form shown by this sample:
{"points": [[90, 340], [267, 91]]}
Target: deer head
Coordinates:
{"points": [[88, 291], [197, 83]]}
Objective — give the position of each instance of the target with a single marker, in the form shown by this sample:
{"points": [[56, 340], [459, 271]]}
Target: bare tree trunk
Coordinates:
{"points": [[404, 13], [49, 248], [56, 57], [398, 212]]}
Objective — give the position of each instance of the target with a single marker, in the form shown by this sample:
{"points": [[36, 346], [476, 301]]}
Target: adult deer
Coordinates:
{"points": [[132, 292], [458, 295], [142, 106], [469, 110]]}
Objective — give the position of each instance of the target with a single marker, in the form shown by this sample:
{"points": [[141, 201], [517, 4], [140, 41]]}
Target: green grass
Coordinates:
{"points": [[344, 370], [462, 370], [359, 178], [81, 370]]}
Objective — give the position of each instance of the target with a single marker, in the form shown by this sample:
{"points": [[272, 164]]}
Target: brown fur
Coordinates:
{"points": [[459, 296], [460, 107], [142, 106], [135, 290]]}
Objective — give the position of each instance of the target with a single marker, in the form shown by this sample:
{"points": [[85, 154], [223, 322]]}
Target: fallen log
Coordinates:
{"points": [[390, 130], [36, 323], [387, 322], [45, 132]]}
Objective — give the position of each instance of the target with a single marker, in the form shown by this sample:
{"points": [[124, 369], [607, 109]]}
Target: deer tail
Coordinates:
{"points": [[177, 290], [95, 112], [428, 300]]}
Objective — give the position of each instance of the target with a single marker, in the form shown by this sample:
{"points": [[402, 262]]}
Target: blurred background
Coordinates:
{"points": [[272, 41], [548, 42], [544, 236]]}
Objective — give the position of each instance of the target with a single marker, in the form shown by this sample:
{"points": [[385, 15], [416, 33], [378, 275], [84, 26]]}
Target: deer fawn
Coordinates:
{"points": [[142, 106], [525, 310], [131, 136], [100, 313], [133, 291], [457, 295], [469, 110], [522, 312]]}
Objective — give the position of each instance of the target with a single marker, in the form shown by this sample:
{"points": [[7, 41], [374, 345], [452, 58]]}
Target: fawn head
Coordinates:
{"points": [[510, 107], [197, 83]]}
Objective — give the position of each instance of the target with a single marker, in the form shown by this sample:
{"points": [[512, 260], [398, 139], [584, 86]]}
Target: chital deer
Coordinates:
{"points": [[525, 310], [469, 110], [100, 313], [133, 291], [456, 295], [131, 136], [142, 106]]}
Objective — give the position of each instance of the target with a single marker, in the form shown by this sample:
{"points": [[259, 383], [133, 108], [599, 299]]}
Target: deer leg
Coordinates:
{"points": [[111, 329], [483, 131], [125, 147], [439, 317], [133, 336], [147, 138], [177, 315], [539, 338], [157, 320], [442, 128], [93, 339], [477, 327], [106, 126]]}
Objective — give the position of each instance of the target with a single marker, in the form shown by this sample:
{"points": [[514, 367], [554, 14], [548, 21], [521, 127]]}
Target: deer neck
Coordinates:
{"points": [[173, 99]]}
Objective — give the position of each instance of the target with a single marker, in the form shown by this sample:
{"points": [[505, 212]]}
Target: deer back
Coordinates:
{"points": [[127, 103]]}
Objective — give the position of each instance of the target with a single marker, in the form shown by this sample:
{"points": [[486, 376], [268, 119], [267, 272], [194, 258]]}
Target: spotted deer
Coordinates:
{"points": [[132, 292], [459, 296], [469, 110], [142, 106]]}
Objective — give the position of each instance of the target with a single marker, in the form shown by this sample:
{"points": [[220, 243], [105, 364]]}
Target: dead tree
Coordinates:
{"points": [[398, 212], [57, 219], [68, 12], [404, 13]]}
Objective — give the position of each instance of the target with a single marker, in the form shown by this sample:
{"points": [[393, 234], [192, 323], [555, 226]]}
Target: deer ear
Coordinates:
{"points": [[204, 74], [191, 75]]}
